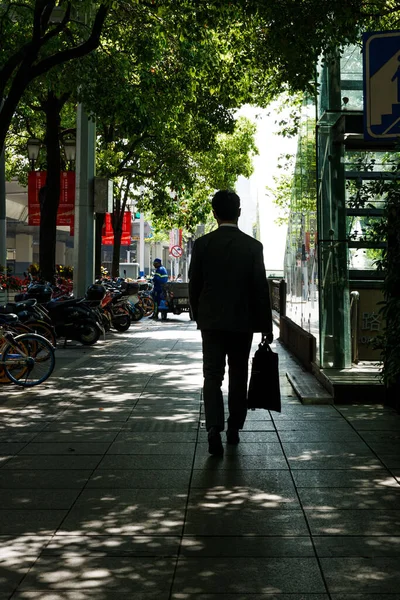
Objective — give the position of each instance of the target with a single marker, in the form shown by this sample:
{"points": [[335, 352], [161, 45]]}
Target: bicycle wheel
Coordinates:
{"points": [[147, 305], [44, 329], [29, 360]]}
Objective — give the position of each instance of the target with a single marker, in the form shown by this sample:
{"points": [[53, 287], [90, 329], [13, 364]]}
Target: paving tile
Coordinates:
{"points": [[14, 548], [154, 425], [11, 576], [83, 425], [341, 546], [10, 448], [161, 448], [236, 461], [138, 478], [309, 450], [373, 575], [38, 498], [53, 448], [319, 435], [390, 423], [391, 460], [247, 596], [173, 437], [40, 462], [255, 415], [257, 480], [50, 478], [153, 461], [362, 596], [243, 449], [383, 498], [258, 425], [354, 522], [312, 413], [260, 437], [74, 436], [111, 413], [239, 520], [21, 521], [253, 575], [342, 478], [361, 463], [126, 512], [122, 575], [112, 545], [245, 546], [9, 435], [304, 425]]}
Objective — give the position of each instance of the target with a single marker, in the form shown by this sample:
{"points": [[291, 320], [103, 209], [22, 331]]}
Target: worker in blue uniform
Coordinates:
{"points": [[160, 278]]}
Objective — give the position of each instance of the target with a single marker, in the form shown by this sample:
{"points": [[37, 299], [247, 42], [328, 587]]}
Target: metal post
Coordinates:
{"points": [[141, 245], [3, 213], [3, 207], [84, 203]]}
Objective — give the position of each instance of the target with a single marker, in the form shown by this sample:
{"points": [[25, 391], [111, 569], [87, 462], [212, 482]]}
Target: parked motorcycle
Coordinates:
{"points": [[72, 318]]}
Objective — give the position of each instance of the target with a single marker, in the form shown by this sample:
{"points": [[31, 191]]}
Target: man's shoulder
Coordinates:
{"points": [[222, 232]]}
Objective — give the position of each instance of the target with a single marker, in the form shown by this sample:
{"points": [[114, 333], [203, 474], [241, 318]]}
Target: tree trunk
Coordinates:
{"points": [[50, 194]]}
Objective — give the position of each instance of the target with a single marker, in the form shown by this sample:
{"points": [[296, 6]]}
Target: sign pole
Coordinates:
{"points": [[141, 245]]}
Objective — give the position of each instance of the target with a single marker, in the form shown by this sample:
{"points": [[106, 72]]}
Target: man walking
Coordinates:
{"points": [[229, 297], [160, 278]]}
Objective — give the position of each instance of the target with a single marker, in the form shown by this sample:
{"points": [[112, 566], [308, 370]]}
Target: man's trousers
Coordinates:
{"points": [[217, 346]]}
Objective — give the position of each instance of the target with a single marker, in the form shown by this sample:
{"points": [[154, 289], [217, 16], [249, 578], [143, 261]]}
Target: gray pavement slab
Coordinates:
{"points": [[38, 499], [140, 479], [253, 575], [367, 546], [245, 545], [373, 575], [41, 478], [109, 492], [36, 521], [119, 574], [354, 522], [57, 461], [335, 478]]}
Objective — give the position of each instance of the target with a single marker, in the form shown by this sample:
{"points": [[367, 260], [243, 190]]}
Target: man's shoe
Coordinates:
{"points": [[232, 436], [215, 446]]}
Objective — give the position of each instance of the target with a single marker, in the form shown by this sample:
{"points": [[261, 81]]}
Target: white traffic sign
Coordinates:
{"points": [[176, 251]]}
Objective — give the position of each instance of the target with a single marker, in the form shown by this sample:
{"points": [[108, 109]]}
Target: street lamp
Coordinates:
{"points": [[33, 151], [70, 150]]}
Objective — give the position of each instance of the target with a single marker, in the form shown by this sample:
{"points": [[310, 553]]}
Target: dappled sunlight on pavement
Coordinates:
{"points": [[108, 491]]}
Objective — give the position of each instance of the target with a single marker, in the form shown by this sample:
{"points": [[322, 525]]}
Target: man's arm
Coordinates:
{"points": [[195, 280], [261, 294]]}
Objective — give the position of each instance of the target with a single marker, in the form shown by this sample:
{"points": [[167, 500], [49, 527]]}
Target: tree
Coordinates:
{"points": [[37, 36]]}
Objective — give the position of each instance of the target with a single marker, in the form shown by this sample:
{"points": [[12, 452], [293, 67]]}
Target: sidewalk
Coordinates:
{"points": [[108, 492]]}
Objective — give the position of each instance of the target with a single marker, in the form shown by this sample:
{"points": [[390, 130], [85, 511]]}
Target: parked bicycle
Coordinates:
{"points": [[27, 359]]}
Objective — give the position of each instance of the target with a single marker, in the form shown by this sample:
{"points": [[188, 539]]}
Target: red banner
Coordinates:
{"points": [[65, 213], [107, 237]]}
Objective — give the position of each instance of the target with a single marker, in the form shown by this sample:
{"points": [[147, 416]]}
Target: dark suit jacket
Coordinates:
{"points": [[228, 288]]}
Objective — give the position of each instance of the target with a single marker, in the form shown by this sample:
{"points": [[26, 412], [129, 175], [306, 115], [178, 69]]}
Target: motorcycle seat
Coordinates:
{"points": [[15, 307], [57, 304], [8, 318]]}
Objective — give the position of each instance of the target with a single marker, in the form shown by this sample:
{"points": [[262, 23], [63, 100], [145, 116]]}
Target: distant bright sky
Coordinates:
{"points": [[270, 146]]}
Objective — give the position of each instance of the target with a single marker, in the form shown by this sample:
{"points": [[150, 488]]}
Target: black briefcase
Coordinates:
{"points": [[264, 391]]}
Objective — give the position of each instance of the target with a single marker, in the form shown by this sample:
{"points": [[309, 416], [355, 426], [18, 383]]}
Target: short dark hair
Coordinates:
{"points": [[226, 205]]}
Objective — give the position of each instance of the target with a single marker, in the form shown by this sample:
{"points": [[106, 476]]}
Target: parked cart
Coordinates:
{"points": [[176, 300]]}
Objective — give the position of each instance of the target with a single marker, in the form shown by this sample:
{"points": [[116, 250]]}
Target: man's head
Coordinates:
{"points": [[226, 206], [157, 263]]}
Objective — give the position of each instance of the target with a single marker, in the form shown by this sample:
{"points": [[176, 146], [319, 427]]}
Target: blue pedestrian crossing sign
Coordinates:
{"points": [[382, 85]]}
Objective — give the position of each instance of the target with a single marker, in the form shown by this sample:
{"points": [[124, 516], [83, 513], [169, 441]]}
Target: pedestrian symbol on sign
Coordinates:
{"points": [[382, 85]]}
